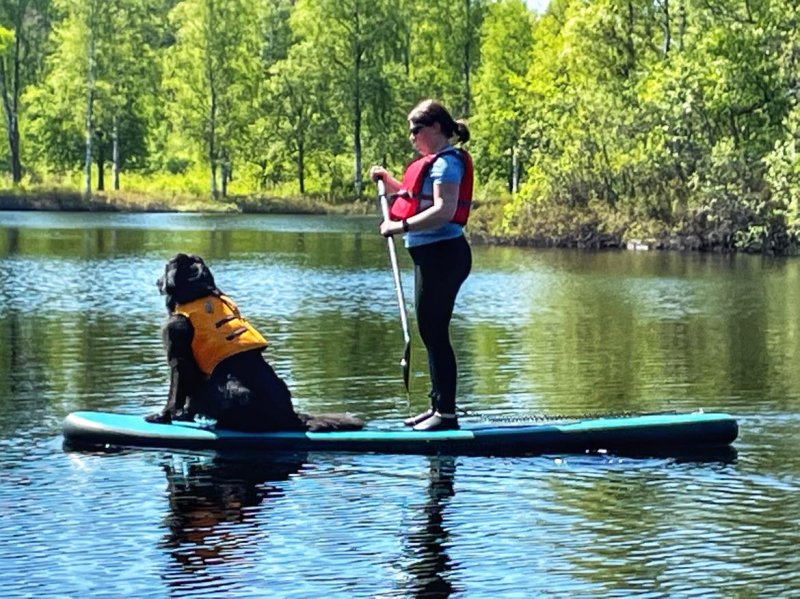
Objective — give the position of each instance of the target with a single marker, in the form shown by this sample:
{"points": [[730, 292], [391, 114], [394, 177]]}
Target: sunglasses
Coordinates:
{"points": [[414, 129]]}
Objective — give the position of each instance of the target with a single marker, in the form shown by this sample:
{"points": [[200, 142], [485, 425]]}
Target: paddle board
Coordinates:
{"points": [[639, 434]]}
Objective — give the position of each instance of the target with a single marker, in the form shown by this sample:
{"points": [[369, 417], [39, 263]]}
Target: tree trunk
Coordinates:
{"points": [[357, 55], [667, 28], [514, 169], [87, 181], [13, 145], [630, 46], [224, 177], [262, 175], [101, 179], [357, 142], [212, 134], [212, 148], [10, 93], [467, 43], [100, 152], [12, 126], [115, 153], [301, 167], [12, 130]]}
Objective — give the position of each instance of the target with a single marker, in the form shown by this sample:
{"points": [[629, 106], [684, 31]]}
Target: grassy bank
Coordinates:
{"points": [[599, 226], [540, 225], [134, 201]]}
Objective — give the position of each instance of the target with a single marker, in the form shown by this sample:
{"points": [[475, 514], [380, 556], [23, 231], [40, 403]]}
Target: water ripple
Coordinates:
{"points": [[536, 333]]}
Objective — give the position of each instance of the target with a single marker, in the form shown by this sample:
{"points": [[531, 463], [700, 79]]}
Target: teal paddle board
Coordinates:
{"points": [[631, 434]]}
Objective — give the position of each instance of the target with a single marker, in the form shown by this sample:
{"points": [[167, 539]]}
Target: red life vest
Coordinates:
{"points": [[410, 200]]}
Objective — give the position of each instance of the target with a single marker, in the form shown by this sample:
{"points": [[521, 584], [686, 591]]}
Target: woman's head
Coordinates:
{"points": [[429, 113]]}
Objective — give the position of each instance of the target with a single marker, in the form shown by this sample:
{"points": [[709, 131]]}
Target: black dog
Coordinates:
{"points": [[216, 362]]}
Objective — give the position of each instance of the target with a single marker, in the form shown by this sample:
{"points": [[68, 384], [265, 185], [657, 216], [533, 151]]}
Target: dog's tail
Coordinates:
{"points": [[325, 423]]}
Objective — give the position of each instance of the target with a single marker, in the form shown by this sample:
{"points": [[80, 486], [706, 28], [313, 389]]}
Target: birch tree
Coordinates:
{"points": [[25, 26], [211, 77]]}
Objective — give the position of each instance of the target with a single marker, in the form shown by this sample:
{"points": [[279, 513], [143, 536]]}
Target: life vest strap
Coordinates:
{"points": [[234, 334], [226, 320]]}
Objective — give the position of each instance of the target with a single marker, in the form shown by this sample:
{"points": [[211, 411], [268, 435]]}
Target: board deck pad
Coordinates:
{"points": [[643, 433]]}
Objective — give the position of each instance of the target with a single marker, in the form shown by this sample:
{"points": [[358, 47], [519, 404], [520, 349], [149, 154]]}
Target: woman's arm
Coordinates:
{"points": [[445, 203]]}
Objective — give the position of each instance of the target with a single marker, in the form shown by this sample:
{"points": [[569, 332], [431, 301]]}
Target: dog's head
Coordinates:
{"points": [[185, 278]]}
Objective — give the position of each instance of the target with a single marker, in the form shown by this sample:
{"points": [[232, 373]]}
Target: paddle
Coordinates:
{"points": [[398, 286]]}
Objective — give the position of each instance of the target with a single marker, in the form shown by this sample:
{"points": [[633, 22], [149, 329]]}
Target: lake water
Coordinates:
{"points": [[536, 332]]}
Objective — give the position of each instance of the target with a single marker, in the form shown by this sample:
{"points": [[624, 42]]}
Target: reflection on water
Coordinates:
{"points": [[536, 332], [427, 542], [212, 504], [216, 518]]}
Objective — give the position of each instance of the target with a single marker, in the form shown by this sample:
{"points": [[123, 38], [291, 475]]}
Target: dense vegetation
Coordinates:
{"points": [[675, 122]]}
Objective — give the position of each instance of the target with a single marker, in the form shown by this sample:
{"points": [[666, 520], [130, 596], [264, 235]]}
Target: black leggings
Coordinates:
{"points": [[439, 270]]}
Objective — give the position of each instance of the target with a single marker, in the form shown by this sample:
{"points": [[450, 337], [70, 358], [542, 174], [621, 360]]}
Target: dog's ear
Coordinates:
{"points": [[200, 275], [195, 269]]}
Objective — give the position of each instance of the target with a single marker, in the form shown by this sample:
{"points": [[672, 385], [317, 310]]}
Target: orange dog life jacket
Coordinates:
{"points": [[220, 331]]}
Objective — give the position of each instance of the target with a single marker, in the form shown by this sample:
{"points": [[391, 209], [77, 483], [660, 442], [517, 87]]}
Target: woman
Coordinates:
{"points": [[431, 206]]}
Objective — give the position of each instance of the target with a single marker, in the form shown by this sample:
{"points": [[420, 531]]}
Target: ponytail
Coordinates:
{"points": [[462, 131]]}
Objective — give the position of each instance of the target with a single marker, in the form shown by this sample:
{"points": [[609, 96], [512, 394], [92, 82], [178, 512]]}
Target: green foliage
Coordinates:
{"points": [[667, 120], [663, 112], [108, 49], [500, 90], [783, 176], [6, 40]]}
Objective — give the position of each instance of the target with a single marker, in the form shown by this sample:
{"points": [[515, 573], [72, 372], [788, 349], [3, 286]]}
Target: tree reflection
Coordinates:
{"points": [[427, 543]]}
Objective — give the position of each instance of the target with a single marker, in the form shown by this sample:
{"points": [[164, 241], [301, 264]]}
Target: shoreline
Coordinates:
{"points": [[72, 201], [588, 236]]}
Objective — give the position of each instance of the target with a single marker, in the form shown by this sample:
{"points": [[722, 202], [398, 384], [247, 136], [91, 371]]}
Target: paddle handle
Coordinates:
{"points": [[398, 286]]}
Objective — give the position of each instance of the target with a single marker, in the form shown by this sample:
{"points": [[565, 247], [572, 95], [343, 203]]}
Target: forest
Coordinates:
{"points": [[599, 123]]}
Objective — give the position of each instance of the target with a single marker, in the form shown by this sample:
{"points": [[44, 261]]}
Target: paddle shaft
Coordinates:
{"points": [[398, 286]]}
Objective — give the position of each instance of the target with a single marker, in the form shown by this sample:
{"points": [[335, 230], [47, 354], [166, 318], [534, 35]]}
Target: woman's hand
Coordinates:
{"points": [[378, 172], [391, 184], [391, 227]]}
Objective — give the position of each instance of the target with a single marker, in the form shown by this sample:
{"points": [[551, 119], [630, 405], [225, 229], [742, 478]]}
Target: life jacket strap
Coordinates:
{"points": [[235, 333]]}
